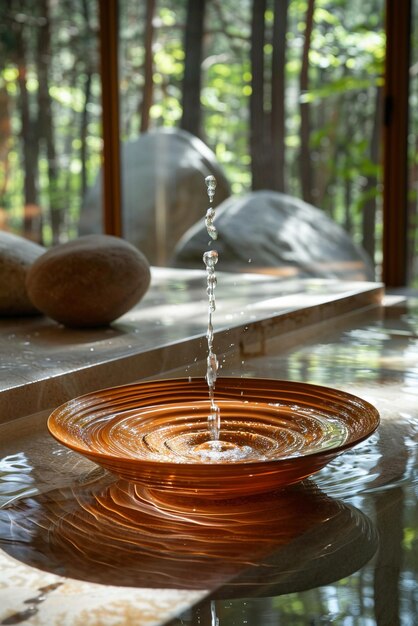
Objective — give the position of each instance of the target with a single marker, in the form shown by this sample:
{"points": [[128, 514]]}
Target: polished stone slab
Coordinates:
{"points": [[43, 364]]}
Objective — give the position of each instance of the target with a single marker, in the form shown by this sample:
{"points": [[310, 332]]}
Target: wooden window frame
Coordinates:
{"points": [[395, 144], [109, 71]]}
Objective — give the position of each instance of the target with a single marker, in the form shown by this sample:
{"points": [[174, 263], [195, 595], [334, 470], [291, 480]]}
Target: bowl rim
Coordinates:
{"points": [[227, 382]]}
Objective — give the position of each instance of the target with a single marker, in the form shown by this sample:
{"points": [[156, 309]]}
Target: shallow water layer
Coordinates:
{"points": [[62, 513], [251, 431], [377, 360], [339, 549], [119, 531]]}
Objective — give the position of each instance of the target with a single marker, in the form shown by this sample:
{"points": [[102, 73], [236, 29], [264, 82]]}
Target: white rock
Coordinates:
{"points": [[267, 229], [163, 191]]}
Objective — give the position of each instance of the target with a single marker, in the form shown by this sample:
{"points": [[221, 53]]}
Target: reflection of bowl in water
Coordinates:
{"points": [[330, 550], [124, 534], [276, 433]]}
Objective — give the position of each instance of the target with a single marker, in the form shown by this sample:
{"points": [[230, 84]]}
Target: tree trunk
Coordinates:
{"points": [[46, 122], [278, 94], [305, 126], [348, 222], [267, 128], [193, 48], [369, 208], [5, 135], [84, 115], [148, 89], [29, 143], [83, 134], [259, 155]]}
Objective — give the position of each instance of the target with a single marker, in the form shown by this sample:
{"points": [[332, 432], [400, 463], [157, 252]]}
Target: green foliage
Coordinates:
{"points": [[43, 82], [346, 60]]}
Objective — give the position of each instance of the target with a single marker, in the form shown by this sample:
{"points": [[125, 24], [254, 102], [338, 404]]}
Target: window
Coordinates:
{"points": [[287, 96]]}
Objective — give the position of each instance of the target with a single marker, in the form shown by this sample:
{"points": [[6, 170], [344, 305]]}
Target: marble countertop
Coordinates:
{"points": [[43, 364]]}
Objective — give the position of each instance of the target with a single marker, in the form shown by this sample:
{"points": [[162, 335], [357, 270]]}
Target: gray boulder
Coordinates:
{"points": [[267, 229], [16, 257], [163, 191]]}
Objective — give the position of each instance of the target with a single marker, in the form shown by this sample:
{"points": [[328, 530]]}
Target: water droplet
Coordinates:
{"points": [[210, 258], [211, 186], [210, 213]]}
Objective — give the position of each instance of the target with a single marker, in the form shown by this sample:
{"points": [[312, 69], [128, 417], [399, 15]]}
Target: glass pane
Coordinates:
{"points": [[286, 96], [50, 115]]}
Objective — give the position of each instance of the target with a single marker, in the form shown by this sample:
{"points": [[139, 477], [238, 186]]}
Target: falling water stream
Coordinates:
{"points": [[215, 449], [214, 617], [210, 259], [243, 438]]}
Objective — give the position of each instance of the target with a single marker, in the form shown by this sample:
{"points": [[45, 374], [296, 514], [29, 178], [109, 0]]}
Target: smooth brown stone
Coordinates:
{"points": [[89, 282], [16, 257]]}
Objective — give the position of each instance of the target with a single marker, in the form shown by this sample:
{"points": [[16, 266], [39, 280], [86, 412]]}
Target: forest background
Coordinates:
{"points": [[287, 93]]}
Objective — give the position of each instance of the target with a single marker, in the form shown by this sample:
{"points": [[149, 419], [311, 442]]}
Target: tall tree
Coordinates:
{"points": [[305, 124], [259, 157], [147, 92], [29, 134], [193, 48], [45, 119], [87, 93], [267, 119], [5, 134], [369, 207], [278, 87]]}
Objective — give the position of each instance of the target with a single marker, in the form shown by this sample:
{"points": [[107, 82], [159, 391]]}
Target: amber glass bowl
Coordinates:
{"points": [[273, 433]]}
